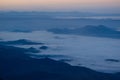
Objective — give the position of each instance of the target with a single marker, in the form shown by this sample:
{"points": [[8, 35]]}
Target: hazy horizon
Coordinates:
{"points": [[99, 6]]}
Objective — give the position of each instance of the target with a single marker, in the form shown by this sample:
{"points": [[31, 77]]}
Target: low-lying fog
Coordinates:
{"points": [[90, 52]]}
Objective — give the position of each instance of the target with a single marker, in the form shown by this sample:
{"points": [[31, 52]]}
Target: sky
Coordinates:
{"points": [[103, 6]]}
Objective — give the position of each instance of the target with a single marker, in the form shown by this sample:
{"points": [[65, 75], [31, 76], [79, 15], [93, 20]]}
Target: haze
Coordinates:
{"points": [[61, 5]]}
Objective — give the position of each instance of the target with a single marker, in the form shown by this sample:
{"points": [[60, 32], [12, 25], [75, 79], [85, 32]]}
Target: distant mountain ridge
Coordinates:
{"points": [[20, 42], [62, 13], [95, 31]]}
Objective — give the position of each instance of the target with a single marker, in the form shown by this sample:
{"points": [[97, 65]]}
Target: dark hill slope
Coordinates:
{"points": [[16, 65]]}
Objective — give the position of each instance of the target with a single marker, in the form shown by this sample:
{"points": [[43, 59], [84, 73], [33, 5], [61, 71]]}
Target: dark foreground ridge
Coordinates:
{"points": [[94, 31], [16, 65]]}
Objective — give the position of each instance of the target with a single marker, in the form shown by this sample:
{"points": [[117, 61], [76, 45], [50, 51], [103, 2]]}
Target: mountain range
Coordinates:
{"points": [[94, 31]]}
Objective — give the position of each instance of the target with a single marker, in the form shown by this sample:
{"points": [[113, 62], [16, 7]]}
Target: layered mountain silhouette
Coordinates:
{"points": [[95, 31], [22, 31], [20, 42], [17, 65]]}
